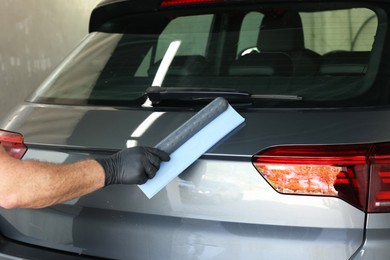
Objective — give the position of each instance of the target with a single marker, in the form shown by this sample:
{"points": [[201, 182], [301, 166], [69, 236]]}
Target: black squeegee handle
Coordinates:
{"points": [[188, 129]]}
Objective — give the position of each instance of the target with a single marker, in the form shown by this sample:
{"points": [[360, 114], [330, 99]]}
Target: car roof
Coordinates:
{"points": [[108, 9], [108, 2]]}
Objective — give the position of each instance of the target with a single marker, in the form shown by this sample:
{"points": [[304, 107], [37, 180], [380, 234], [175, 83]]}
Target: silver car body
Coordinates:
{"points": [[219, 208]]}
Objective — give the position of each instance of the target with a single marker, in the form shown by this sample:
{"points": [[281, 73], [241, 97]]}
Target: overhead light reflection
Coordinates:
{"points": [[141, 129], [163, 68], [165, 63], [131, 143]]}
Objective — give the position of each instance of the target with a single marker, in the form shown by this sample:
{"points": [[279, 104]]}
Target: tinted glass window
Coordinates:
{"points": [[193, 33], [347, 30], [303, 56]]}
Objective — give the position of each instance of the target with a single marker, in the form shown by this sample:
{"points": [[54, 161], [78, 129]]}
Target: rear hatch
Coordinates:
{"points": [[292, 182]]}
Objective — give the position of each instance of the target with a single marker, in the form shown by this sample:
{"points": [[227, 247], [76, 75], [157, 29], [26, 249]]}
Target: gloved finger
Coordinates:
{"points": [[161, 154], [154, 160], [150, 170], [142, 179]]}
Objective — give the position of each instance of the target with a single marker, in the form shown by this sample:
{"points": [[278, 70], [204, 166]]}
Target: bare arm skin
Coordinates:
{"points": [[33, 184]]}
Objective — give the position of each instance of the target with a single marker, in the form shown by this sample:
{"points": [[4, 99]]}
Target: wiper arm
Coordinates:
{"points": [[158, 94]]}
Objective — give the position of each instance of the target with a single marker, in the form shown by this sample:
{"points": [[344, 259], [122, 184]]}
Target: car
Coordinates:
{"points": [[307, 176]]}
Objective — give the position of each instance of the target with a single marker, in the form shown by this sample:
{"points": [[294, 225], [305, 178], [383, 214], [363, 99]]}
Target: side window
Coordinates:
{"points": [[192, 31], [249, 33], [341, 30]]}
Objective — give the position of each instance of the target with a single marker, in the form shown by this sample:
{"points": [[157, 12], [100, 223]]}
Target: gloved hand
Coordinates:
{"points": [[133, 165]]}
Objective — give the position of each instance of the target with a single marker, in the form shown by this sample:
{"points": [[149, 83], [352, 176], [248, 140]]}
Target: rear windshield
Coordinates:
{"points": [[303, 55]]}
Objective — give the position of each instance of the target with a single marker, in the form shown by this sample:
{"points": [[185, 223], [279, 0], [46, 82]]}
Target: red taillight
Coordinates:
{"points": [[326, 170], [379, 200], [187, 2], [13, 143]]}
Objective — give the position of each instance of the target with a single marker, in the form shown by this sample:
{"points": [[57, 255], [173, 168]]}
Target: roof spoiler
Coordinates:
{"points": [[109, 9]]}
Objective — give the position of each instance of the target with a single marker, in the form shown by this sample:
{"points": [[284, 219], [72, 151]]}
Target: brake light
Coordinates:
{"points": [[187, 2], [379, 200], [358, 174], [13, 143]]}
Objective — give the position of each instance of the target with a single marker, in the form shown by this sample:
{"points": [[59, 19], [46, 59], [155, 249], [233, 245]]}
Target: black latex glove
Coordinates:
{"points": [[133, 165]]}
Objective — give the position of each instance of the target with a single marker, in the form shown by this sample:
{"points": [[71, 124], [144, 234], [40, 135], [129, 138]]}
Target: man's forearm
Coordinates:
{"points": [[39, 184], [35, 184]]}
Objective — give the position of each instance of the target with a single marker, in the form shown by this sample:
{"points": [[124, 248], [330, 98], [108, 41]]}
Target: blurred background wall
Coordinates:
{"points": [[35, 35]]}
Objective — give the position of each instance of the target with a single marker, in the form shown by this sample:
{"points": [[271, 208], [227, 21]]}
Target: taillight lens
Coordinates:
{"points": [[13, 143], [379, 200], [187, 2], [325, 170]]}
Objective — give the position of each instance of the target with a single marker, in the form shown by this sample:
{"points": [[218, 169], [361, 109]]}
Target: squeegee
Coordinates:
{"points": [[192, 139]]}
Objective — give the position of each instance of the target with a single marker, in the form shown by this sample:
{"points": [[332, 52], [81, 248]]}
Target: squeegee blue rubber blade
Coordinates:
{"points": [[192, 149]]}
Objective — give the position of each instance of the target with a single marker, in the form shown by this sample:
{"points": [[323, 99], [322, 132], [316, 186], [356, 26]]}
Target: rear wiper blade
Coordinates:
{"points": [[278, 97], [158, 94]]}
